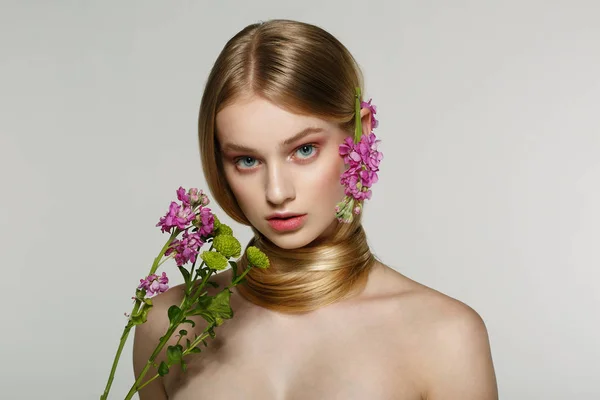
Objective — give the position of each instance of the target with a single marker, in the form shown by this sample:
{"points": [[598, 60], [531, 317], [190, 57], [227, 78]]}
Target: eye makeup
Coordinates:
{"points": [[302, 154]]}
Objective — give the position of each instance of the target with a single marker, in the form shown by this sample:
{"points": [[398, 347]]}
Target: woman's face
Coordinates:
{"points": [[279, 165]]}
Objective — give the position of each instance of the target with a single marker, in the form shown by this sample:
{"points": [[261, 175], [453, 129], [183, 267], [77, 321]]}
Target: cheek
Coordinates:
{"points": [[327, 182], [242, 191]]}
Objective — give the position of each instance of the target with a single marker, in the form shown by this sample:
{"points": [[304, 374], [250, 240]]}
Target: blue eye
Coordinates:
{"points": [[306, 151], [246, 162]]}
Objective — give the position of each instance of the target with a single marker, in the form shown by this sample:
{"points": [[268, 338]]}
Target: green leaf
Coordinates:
{"points": [[185, 273], [233, 270], [201, 273], [213, 284], [208, 317], [174, 354], [175, 314], [187, 343], [142, 315], [214, 308], [221, 304], [163, 369], [189, 321], [183, 332], [183, 366], [195, 350]]}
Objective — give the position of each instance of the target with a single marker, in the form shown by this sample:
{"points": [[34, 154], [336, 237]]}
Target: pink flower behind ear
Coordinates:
{"points": [[363, 160], [373, 108]]}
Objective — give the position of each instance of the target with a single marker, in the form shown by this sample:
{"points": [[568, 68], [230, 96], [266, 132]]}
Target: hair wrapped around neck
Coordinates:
{"points": [[305, 279]]}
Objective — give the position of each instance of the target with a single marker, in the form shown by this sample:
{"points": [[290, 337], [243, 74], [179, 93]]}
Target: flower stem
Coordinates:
{"points": [[155, 264], [136, 385], [111, 377], [239, 278], [357, 120], [185, 352], [129, 325]]}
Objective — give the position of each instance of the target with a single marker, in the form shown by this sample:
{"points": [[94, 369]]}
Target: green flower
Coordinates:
{"points": [[257, 258], [224, 230], [216, 224], [214, 260], [227, 245]]}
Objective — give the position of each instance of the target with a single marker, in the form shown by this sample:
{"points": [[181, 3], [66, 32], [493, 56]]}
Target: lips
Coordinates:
{"points": [[285, 215], [286, 222]]}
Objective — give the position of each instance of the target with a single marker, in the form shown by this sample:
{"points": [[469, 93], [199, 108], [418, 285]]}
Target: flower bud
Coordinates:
{"points": [[227, 245], [224, 230], [214, 260], [257, 258]]}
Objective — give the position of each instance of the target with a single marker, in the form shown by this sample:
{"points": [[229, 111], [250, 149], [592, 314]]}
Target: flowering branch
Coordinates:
{"points": [[198, 226], [363, 158]]}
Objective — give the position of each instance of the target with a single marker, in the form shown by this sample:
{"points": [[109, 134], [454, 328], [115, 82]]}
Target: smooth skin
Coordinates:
{"points": [[398, 339]]}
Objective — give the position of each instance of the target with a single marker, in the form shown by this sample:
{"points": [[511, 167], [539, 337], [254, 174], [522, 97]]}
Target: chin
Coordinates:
{"points": [[290, 241]]}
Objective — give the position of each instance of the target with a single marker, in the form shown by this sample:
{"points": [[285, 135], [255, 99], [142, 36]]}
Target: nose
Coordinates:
{"points": [[279, 186]]}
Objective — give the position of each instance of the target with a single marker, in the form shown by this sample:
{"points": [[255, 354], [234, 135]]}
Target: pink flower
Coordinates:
{"points": [[177, 216], [363, 161], [154, 285], [205, 221], [192, 197], [373, 108], [183, 196], [367, 147], [185, 249], [347, 149]]}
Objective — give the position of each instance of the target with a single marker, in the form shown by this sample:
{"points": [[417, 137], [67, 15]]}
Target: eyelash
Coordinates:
{"points": [[313, 146]]}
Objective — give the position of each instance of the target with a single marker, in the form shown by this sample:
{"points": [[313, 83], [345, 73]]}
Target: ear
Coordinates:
{"points": [[365, 117]]}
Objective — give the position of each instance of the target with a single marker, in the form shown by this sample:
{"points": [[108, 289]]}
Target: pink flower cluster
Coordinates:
{"points": [[191, 212], [205, 221], [193, 197], [363, 160], [177, 217], [373, 108], [185, 249], [154, 284]]}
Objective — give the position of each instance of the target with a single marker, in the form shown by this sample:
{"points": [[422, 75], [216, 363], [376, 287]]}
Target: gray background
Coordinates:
{"points": [[489, 189]]}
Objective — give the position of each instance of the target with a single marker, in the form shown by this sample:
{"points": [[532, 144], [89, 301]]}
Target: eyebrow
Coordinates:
{"points": [[304, 132]]}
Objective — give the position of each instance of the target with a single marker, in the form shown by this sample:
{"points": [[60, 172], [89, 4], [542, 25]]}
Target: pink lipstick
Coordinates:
{"points": [[286, 222]]}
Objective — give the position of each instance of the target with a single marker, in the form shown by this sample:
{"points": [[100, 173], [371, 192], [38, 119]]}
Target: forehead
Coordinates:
{"points": [[256, 121]]}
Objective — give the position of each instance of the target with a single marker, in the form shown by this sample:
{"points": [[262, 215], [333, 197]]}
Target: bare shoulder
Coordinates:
{"points": [[148, 334], [453, 355]]}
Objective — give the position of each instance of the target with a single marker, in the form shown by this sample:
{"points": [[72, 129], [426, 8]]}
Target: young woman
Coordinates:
{"points": [[327, 320]]}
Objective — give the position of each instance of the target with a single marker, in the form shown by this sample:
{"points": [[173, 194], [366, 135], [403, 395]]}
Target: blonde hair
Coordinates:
{"points": [[304, 69]]}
